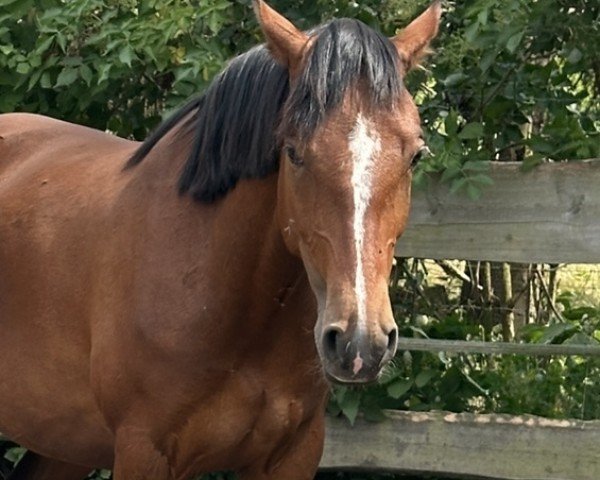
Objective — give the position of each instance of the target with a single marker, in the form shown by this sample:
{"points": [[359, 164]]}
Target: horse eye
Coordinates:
{"points": [[421, 152], [293, 156]]}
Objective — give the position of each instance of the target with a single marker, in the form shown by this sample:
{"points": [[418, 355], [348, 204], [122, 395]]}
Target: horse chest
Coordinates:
{"points": [[244, 422]]}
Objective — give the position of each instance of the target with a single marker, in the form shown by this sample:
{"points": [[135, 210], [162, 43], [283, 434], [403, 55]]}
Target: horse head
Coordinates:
{"points": [[350, 136]]}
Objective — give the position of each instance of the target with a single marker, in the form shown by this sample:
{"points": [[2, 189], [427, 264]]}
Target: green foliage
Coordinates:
{"points": [[510, 82], [556, 387], [112, 64]]}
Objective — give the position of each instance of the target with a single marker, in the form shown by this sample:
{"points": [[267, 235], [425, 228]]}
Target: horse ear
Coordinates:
{"points": [[284, 40], [413, 42]]}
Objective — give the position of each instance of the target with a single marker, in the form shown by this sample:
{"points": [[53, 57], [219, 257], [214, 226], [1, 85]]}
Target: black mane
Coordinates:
{"points": [[233, 126]]}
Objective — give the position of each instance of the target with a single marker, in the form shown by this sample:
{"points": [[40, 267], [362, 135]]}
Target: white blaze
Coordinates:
{"points": [[364, 146]]}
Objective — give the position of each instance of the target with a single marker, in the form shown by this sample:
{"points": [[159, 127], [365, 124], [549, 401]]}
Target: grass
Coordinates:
{"points": [[583, 281]]}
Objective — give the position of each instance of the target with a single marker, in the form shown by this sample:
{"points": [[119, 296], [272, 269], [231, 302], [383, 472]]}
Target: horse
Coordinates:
{"points": [[182, 305]]}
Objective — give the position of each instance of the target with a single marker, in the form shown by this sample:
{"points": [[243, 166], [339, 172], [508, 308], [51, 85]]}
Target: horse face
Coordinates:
{"points": [[343, 201], [344, 195]]}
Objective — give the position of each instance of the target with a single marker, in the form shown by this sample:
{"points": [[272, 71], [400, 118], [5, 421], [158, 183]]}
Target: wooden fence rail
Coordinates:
{"points": [[548, 215], [496, 348], [467, 446]]}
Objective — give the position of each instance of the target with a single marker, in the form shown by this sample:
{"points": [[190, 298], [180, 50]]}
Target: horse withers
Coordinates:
{"points": [[177, 306]]}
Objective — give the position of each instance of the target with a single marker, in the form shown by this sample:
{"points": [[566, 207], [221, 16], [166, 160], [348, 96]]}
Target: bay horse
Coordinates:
{"points": [[180, 306]]}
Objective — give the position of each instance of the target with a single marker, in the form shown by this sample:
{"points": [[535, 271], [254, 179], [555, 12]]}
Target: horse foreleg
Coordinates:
{"points": [[136, 458], [36, 467], [300, 460]]}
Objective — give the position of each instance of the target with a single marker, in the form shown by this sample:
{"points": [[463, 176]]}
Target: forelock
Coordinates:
{"points": [[344, 53]]}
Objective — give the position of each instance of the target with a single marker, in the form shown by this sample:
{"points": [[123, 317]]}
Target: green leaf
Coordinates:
{"points": [[451, 123], [350, 405], [8, 101], [574, 56], [580, 338], [580, 313], [14, 454], [18, 8], [373, 413], [540, 145], [103, 70], [531, 161], [471, 131], [482, 17], [45, 81], [86, 74], [72, 61], [487, 60], [458, 184], [339, 393], [451, 380], [454, 79], [424, 377], [514, 41], [34, 79], [23, 68], [471, 32], [555, 331], [473, 191], [333, 409], [66, 77], [452, 171], [399, 388], [481, 180], [126, 55], [531, 333], [45, 45], [62, 41]]}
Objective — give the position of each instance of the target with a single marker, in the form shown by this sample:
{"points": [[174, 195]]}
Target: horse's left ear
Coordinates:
{"points": [[413, 42], [284, 40]]}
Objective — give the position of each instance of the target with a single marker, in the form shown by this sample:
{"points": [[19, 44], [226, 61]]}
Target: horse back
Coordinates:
{"points": [[55, 179], [25, 136]]}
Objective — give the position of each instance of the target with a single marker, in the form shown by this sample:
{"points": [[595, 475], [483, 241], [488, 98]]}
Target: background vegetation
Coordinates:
{"points": [[513, 80]]}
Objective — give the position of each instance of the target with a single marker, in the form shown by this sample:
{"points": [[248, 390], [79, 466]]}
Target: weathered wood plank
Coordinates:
{"points": [[496, 348], [548, 215], [500, 447]]}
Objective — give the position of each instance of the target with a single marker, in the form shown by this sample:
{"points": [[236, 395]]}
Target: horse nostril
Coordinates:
{"points": [[331, 339], [391, 346], [392, 341]]}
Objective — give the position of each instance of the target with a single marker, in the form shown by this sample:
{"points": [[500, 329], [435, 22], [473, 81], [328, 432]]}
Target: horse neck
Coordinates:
{"points": [[234, 242], [264, 267], [271, 309]]}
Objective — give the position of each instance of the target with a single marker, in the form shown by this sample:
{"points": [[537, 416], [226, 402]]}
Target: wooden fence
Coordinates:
{"points": [[467, 446], [548, 215]]}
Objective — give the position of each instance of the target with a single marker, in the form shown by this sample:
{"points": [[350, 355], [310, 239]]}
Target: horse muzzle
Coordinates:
{"points": [[356, 355]]}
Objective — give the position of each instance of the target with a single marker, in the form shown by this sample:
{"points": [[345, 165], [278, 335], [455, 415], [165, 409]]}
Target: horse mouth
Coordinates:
{"points": [[350, 383], [342, 379]]}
